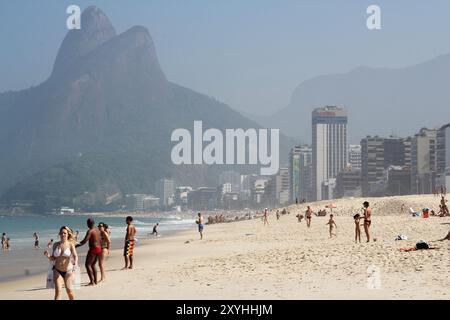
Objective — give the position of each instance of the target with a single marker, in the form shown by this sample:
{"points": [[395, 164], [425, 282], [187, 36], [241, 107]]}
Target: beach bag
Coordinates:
{"points": [[50, 284], [77, 277], [422, 245]]}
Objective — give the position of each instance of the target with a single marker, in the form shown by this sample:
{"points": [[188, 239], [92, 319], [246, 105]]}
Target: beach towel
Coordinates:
{"points": [[401, 237]]}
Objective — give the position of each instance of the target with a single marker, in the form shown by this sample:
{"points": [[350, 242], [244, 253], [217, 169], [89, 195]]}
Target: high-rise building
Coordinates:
{"points": [[377, 155], [443, 157], [278, 187], [300, 174], [165, 190], [354, 156], [329, 149], [348, 183], [424, 161]]}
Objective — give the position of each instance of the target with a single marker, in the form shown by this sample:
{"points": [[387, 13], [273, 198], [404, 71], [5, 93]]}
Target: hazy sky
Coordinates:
{"points": [[250, 54]]}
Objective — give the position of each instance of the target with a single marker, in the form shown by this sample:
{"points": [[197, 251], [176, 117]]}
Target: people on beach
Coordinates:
{"points": [[155, 229], [4, 241], [105, 242], [266, 215], [7, 245], [129, 243], [308, 216], [76, 235], [402, 208], [65, 261], [200, 224], [278, 214], [357, 219], [95, 250], [36, 240], [299, 217], [367, 219], [50, 244], [332, 225], [444, 207]]}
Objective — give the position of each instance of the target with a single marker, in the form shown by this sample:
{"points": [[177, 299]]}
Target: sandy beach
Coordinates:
{"points": [[284, 260]]}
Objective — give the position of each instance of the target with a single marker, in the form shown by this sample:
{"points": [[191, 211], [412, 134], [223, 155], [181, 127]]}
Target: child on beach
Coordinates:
{"points": [[357, 218], [266, 213], [332, 225]]}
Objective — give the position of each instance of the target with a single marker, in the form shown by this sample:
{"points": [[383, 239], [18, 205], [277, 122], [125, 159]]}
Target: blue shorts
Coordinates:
{"points": [[200, 228]]}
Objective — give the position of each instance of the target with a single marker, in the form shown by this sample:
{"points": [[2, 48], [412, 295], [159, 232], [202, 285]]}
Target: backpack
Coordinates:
{"points": [[422, 245]]}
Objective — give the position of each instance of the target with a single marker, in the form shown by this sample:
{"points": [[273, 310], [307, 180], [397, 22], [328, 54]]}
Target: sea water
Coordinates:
{"points": [[24, 260]]}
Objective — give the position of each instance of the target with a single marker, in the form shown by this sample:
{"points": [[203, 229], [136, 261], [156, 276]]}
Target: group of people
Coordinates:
{"points": [[366, 216], [5, 242], [216, 219], [64, 255], [440, 191]]}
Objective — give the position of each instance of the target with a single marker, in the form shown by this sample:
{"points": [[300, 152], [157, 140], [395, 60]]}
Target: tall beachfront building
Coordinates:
{"points": [[329, 146], [443, 157], [300, 174]]}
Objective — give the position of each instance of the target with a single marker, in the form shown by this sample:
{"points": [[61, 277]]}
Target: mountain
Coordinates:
{"points": [[100, 125], [378, 100]]}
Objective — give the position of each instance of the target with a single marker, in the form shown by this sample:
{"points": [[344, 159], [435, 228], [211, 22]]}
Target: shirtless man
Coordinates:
{"points": [[367, 219], [129, 243], [200, 224], [95, 249], [308, 215]]}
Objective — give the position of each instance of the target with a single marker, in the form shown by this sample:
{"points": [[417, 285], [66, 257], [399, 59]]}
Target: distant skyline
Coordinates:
{"points": [[249, 54]]}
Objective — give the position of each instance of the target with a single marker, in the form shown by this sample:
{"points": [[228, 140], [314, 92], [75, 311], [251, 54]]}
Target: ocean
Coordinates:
{"points": [[23, 260]]}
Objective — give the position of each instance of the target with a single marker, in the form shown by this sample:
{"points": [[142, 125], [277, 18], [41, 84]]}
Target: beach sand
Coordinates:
{"points": [[285, 260]]}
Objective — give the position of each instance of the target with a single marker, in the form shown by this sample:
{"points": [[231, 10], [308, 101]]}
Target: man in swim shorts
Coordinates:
{"points": [[129, 243], [95, 249], [200, 225], [367, 219]]}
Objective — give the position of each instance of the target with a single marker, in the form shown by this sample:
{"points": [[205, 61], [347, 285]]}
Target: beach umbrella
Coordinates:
{"points": [[331, 206]]}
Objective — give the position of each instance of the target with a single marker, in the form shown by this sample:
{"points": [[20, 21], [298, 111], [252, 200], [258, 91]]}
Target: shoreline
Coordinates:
{"points": [[284, 260]]}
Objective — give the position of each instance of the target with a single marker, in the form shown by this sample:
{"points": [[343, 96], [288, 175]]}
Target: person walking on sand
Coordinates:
{"points": [[50, 244], [65, 261], [200, 224], [266, 214], [357, 219], [105, 244], [308, 216], [278, 214], [36, 240], [367, 219], [332, 225], [95, 250], [129, 243], [155, 230]]}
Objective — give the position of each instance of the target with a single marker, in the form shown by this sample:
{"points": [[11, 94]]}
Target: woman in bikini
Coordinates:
{"points": [[65, 260], [105, 243]]}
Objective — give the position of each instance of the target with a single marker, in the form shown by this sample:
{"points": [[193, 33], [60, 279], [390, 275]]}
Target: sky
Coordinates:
{"points": [[250, 54]]}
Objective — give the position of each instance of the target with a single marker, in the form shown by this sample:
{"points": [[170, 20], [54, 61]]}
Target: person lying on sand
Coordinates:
{"points": [[421, 245]]}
